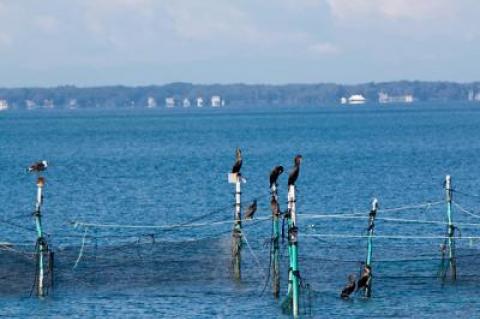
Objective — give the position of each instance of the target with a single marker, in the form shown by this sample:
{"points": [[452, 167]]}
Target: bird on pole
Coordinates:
{"points": [[275, 174], [37, 167], [349, 287], [292, 178], [238, 162]]}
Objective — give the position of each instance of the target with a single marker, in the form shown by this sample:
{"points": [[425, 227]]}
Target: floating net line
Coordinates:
{"points": [[197, 252]]}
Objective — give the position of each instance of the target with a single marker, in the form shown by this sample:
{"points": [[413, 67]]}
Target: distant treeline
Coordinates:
{"points": [[233, 94]]}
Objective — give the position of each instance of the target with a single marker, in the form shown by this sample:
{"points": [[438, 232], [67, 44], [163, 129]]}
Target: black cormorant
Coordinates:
{"points": [[364, 279], [39, 166], [349, 288], [292, 178], [238, 162], [251, 210], [274, 175]]}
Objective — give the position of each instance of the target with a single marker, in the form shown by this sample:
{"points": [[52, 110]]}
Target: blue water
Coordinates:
{"points": [[161, 168]]}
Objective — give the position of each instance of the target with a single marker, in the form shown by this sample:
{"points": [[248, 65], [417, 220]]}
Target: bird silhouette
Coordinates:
{"points": [[275, 174], [292, 178], [37, 167], [251, 210], [238, 162], [365, 278], [349, 287]]}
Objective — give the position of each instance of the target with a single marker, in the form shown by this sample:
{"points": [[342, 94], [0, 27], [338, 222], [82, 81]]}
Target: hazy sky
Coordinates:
{"points": [[138, 42]]}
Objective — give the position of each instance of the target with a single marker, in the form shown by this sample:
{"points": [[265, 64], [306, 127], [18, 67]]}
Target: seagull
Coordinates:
{"points": [[275, 174], [349, 288], [365, 278], [251, 210], [292, 178], [37, 167], [238, 162]]}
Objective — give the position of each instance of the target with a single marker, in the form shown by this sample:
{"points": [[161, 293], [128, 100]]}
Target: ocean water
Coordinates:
{"points": [[164, 167]]}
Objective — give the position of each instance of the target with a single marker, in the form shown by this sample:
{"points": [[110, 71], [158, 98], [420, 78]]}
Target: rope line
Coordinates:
{"points": [[80, 253], [386, 236], [82, 224], [465, 210]]}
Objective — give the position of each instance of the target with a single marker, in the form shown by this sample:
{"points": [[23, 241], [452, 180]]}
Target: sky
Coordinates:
{"points": [[144, 42]]}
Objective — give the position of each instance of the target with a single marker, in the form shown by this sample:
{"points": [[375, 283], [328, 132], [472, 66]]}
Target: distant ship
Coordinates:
{"points": [[356, 99]]}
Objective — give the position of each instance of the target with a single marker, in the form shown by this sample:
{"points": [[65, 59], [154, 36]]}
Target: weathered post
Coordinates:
{"points": [[41, 246], [237, 226], [292, 242], [451, 227], [276, 241], [368, 263]]}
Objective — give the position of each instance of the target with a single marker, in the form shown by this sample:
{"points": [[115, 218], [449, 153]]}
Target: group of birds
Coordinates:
{"points": [[275, 173], [352, 285], [362, 283]]}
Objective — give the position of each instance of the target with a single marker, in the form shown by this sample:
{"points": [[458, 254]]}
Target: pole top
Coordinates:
{"points": [[374, 204], [448, 181], [40, 182]]}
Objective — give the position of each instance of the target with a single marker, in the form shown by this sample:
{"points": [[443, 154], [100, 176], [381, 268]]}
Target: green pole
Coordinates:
{"points": [[276, 242], [41, 243], [294, 275], [237, 230], [451, 228], [371, 225]]}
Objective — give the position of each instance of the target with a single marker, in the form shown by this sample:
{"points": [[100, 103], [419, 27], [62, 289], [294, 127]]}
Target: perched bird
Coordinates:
{"points": [[251, 210], [36, 167], [365, 278], [275, 174], [238, 162], [349, 287], [292, 178]]}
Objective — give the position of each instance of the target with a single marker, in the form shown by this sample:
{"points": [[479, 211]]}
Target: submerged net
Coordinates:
{"points": [[409, 255]]}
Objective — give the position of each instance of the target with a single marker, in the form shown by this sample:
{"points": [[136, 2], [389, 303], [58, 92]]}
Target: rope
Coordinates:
{"points": [[80, 253], [415, 206], [385, 236], [465, 210], [253, 253], [356, 215], [82, 224]]}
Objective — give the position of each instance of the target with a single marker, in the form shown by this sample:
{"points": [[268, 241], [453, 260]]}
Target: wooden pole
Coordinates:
{"points": [[276, 242], [237, 230], [451, 228], [294, 274], [368, 263], [41, 243]]}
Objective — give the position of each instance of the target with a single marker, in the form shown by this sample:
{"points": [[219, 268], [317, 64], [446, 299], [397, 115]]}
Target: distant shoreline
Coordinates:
{"points": [[188, 95]]}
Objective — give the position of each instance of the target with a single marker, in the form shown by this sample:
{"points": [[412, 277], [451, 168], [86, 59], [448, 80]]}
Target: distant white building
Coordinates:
{"points": [[30, 104], [343, 100], [170, 102], [199, 102], [3, 105], [476, 98], [48, 104], [72, 104], [216, 101], [357, 99], [151, 102], [470, 95], [385, 98], [186, 102]]}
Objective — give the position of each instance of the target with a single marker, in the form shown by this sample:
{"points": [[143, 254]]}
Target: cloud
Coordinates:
{"points": [[47, 24], [345, 10], [324, 48]]}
